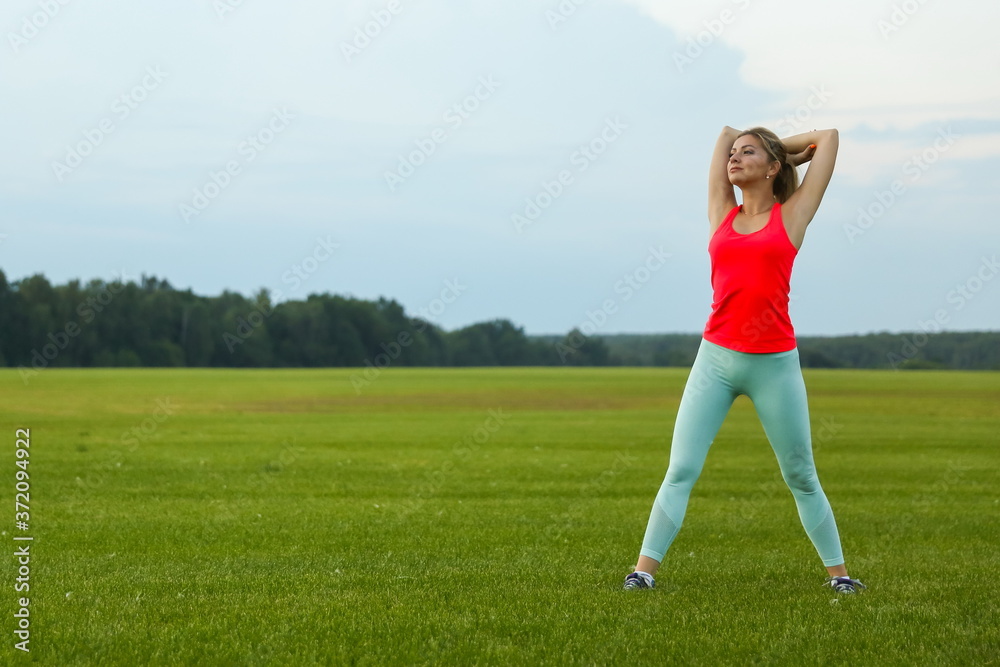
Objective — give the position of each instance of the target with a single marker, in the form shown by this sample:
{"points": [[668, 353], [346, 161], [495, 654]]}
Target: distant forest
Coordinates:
{"points": [[149, 323]]}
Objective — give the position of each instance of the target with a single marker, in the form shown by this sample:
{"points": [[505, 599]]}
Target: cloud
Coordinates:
{"points": [[887, 65]]}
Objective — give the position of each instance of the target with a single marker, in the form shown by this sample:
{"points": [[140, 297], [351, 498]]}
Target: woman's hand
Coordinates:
{"points": [[795, 159]]}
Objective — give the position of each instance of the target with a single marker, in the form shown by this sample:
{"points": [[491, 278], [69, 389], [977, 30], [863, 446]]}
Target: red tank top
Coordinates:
{"points": [[750, 281]]}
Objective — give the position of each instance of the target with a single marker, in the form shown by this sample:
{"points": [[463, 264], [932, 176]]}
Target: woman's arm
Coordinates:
{"points": [[799, 142], [800, 208], [796, 159], [721, 197]]}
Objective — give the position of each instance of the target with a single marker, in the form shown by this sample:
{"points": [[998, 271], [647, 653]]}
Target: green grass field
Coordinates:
{"points": [[488, 516]]}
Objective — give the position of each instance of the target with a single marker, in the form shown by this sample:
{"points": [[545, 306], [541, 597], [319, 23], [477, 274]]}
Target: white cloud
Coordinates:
{"points": [[886, 68]]}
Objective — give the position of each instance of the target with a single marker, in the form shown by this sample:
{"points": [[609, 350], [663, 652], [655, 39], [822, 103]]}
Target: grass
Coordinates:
{"points": [[276, 517]]}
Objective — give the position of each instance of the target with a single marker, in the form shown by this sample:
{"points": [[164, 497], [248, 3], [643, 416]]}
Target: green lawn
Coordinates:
{"points": [[488, 516]]}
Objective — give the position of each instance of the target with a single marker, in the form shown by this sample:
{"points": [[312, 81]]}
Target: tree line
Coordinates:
{"points": [[150, 323], [976, 350]]}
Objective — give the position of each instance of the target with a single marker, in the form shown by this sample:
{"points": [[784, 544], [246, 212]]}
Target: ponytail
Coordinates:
{"points": [[786, 182]]}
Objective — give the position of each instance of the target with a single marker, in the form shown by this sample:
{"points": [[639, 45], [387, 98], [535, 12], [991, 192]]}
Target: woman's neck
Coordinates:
{"points": [[757, 200]]}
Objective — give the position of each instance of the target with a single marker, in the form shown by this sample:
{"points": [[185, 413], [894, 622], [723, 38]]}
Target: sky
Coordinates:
{"points": [[543, 161]]}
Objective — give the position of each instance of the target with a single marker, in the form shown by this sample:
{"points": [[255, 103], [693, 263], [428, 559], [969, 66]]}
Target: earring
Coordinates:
{"points": [[767, 176]]}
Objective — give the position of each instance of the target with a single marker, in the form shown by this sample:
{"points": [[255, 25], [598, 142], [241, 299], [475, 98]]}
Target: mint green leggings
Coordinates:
{"points": [[774, 383]]}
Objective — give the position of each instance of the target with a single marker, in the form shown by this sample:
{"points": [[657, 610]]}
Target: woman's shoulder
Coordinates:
{"points": [[726, 220]]}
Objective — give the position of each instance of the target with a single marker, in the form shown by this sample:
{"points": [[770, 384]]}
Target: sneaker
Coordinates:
{"points": [[845, 585], [635, 581]]}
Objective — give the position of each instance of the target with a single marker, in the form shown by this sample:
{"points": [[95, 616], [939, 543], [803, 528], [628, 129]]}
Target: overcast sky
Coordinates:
{"points": [[540, 161]]}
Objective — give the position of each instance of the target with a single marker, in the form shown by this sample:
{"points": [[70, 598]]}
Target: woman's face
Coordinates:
{"points": [[748, 161]]}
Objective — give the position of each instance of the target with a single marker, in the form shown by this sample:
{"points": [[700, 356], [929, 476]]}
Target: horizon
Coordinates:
{"points": [[603, 334]]}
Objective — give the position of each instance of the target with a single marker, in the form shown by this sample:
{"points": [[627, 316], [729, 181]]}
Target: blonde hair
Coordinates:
{"points": [[787, 179]]}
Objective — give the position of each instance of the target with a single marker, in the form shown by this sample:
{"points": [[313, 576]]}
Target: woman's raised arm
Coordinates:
{"points": [[800, 208], [721, 197]]}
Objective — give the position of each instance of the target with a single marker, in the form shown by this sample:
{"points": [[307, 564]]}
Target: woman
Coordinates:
{"points": [[748, 346]]}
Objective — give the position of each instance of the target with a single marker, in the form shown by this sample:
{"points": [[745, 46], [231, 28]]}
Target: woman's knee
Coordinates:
{"points": [[801, 479], [682, 474]]}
